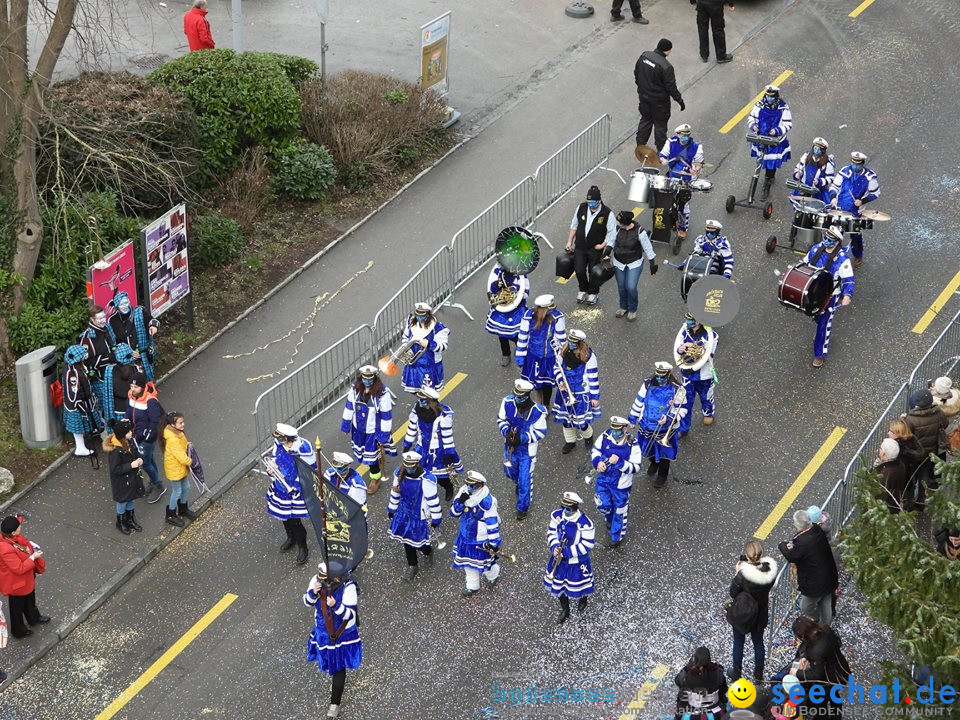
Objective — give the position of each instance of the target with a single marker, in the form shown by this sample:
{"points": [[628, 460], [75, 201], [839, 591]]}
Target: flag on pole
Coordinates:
{"points": [[343, 524], [323, 10]]}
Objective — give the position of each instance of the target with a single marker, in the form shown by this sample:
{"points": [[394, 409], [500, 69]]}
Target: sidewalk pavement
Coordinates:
{"points": [[70, 513]]}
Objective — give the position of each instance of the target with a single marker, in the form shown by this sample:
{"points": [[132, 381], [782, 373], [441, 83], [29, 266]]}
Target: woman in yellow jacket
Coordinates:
{"points": [[176, 465]]}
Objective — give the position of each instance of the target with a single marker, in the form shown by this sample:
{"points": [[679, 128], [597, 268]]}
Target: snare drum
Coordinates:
{"points": [[695, 267], [701, 184], [805, 288], [809, 220], [664, 183]]}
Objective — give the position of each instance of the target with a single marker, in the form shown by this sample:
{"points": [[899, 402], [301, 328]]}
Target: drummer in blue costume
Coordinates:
{"points": [[578, 379], [431, 338], [504, 318], [477, 543], [657, 411], [713, 243], [770, 116], [569, 574], [284, 499], [334, 643], [832, 257], [413, 510], [816, 169], [540, 329], [684, 157], [853, 187]]}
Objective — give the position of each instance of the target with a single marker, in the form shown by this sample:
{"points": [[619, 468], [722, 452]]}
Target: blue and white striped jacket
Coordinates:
{"points": [[576, 535]]}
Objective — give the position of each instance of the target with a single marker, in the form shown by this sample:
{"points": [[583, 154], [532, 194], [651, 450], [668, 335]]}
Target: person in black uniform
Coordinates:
{"points": [[591, 230], [710, 12], [656, 84], [616, 15]]}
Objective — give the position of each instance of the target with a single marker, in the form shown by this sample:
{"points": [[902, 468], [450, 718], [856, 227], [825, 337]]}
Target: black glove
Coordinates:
{"points": [[693, 2], [653, 267], [682, 104], [389, 516]]}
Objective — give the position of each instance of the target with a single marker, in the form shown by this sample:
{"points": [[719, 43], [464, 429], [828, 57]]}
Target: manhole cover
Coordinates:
{"points": [[579, 10], [150, 61]]}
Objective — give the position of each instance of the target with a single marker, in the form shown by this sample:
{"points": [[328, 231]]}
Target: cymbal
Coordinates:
{"points": [[876, 215], [646, 155], [841, 214]]}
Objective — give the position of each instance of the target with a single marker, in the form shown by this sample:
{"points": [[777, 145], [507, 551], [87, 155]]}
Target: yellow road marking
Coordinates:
{"points": [[178, 647], [860, 8], [746, 108], [938, 304], [398, 434], [564, 281], [643, 694], [636, 211], [800, 483]]}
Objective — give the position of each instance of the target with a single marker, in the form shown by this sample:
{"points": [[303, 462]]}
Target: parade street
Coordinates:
{"points": [[882, 83]]}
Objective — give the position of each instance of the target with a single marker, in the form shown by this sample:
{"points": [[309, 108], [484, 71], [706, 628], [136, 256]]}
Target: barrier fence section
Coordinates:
{"points": [[571, 163], [312, 388], [941, 359], [430, 284]]}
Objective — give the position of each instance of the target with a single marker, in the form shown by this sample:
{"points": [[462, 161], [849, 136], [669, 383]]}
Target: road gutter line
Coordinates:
{"points": [[860, 8], [735, 120], [924, 322]]}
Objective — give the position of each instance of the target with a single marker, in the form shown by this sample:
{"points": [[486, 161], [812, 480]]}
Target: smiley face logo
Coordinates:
{"points": [[742, 693]]}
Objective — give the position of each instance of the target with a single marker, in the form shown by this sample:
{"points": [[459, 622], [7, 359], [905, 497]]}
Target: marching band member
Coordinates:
{"points": [[817, 168], [334, 643], [346, 479], [536, 358], [368, 419], [80, 414], [571, 537], [475, 549], [136, 327], [413, 502], [770, 115], [503, 319], [430, 433], [96, 339], [284, 499], [523, 423], [616, 458], [578, 379], [658, 408], [591, 230], [432, 338], [684, 156], [693, 352], [713, 243], [853, 187], [832, 256]]}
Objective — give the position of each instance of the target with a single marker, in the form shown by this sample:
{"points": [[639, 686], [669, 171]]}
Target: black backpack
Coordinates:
{"points": [[743, 611]]}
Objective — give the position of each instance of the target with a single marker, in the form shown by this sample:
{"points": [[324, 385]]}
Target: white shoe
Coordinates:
{"points": [[83, 452], [581, 296], [620, 313], [591, 299], [334, 711]]}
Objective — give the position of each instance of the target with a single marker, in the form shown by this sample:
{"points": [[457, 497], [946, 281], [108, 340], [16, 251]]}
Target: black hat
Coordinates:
{"points": [[121, 427], [625, 217], [921, 399], [10, 524], [139, 379], [593, 193], [664, 45]]}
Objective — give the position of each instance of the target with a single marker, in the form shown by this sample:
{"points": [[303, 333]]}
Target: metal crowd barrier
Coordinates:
{"points": [[571, 163], [314, 387], [941, 359]]}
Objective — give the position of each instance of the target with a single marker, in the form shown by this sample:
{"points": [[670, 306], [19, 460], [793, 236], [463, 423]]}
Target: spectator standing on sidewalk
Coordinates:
{"points": [[20, 562], [710, 12], [197, 28], [176, 466], [817, 577], [912, 455], [755, 575], [616, 15], [929, 425], [656, 84], [144, 411], [893, 474], [126, 480], [946, 397]]}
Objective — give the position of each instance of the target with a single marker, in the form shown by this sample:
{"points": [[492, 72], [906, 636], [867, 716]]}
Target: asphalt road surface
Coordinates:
{"points": [[881, 83]]}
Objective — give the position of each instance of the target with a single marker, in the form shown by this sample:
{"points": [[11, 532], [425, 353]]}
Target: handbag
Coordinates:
{"points": [[3, 629], [742, 612]]}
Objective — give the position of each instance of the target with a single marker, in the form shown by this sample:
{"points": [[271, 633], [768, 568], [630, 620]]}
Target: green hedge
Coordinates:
{"points": [[215, 240], [303, 171]]}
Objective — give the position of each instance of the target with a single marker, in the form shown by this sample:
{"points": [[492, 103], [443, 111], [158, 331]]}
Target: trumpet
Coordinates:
{"points": [[680, 397], [497, 554], [406, 354]]}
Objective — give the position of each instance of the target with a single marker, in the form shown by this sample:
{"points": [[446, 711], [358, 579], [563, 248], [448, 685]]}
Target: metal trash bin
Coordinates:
{"points": [[40, 423]]}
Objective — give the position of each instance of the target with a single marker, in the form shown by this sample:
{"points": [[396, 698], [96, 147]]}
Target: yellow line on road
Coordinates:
{"points": [[632, 711], [746, 108], [636, 211], [938, 304], [398, 434], [178, 647], [860, 8], [800, 483], [564, 281]]}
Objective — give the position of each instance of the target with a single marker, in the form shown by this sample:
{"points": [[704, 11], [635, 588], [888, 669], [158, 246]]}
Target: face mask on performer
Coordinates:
{"points": [[572, 344], [617, 434], [712, 234], [569, 511], [828, 241], [856, 168], [522, 400], [660, 379], [123, 305], [423, 319], [817, 151], [684, 139], [691, 324], [770, 99], [367, 381]]}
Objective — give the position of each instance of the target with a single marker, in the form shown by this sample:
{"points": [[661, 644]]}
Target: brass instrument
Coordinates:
{"points": [[679, 399], [568, 396], [407, 353], [506, 298], [690, 356], [497, 553]]}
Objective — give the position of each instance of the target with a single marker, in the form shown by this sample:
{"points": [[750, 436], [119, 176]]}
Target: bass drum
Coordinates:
{"points": [[805, 288], [695, 267]]}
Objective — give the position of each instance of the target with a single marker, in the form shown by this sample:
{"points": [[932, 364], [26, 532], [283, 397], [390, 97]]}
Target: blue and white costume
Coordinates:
{"points": [[413, 507], [837, 263], [368, 418], [698, 378], [479, 529], [656, 407], [575, 536], [855, 182], [716, 245], [535, 355], [612, 486], [583, 380], [431, 436], [344, 651], [349, 483], [820, 177], [428, 368], [762, 120], [506, 324], [680, 159], [530, 423], [284, 499], [132, 326]]}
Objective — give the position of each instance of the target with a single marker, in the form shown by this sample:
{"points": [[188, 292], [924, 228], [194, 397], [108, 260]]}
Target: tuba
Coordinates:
{"points": [[517, 250], [691, 356], [506, 299]]}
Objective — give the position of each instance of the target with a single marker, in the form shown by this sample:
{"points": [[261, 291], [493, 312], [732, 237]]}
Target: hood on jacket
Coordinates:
{"points": [[763, 573], [111, 443]]}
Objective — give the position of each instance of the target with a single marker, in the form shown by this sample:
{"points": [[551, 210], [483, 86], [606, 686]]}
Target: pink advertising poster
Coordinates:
{"points": [[113, 274]]}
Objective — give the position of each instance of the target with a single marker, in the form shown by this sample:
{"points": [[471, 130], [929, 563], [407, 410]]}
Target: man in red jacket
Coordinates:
{"points": [[20, 562], [196, 27]]}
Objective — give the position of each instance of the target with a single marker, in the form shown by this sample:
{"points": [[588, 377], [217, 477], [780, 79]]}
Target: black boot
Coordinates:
{"points": [[121, 525], [301, 536], [662, 473], [447, 486], [758, 673], [588, 442], [289, 542], [302, 554], [131, 521], [564, 610], [411, 573], [734, 673], [582, 604], [568, 447], [172, 518], [183, 510], [765, 191], [652, 470]]}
